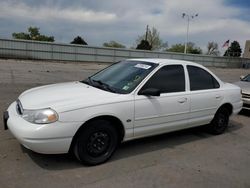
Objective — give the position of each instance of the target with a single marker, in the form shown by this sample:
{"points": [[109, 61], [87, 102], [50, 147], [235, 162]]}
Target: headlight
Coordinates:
{"points": [[41, 116]]}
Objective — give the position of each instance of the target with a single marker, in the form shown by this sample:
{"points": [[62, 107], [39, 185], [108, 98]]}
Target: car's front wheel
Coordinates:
{"points": [[96, 143], [220, 122]]}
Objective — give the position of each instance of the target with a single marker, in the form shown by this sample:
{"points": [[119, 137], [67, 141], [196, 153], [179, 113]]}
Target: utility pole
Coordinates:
{"points": [[189, 17], [146, 38]]}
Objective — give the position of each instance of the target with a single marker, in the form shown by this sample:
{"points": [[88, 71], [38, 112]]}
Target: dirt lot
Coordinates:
{"points": [[189, 158]]}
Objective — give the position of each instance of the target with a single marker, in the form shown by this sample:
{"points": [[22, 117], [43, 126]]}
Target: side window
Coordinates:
{"points": [[170, 78], [201, 79]]}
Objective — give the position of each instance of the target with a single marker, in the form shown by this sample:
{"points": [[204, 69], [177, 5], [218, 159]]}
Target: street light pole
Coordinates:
{"points": [[188, 20]]}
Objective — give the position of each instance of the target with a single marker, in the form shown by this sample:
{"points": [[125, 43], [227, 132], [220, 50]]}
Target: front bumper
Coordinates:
{"points": [[246, 103], [51, 138]]}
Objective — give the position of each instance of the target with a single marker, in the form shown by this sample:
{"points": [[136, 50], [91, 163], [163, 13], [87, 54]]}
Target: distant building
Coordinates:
{"points": [[246, 53]]}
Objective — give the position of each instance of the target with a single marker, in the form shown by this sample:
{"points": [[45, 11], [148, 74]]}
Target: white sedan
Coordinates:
{"points": [[128, 100]]}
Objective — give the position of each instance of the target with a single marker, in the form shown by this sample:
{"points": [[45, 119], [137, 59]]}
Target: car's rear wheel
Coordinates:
{"points": [[96, 143], [220, 122]]}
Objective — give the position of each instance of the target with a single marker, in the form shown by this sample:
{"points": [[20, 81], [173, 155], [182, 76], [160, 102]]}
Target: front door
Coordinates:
{"points": [[167, 112]]}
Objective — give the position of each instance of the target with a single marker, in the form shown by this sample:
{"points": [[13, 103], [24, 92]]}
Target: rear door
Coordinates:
{"points": [[205, 95]]}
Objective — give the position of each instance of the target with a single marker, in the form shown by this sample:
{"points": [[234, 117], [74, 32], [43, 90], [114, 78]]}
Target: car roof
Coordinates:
{"points": [[163, 62], [166, 61]]}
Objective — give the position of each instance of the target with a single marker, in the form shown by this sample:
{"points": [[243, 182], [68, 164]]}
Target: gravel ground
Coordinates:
{"points": [[189, 158]]}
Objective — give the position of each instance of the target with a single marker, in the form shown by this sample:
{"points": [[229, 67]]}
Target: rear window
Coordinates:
{"points": [[200, 79]]}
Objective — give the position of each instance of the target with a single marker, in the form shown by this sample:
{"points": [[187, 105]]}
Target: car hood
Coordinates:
{"points": [[64, 96], [245, 86]]}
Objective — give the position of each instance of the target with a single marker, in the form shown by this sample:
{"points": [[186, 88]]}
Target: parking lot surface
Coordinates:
{"points": [[189, 158]]}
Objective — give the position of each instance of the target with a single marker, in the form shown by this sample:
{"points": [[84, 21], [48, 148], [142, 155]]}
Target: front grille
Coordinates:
{"points": [[246, 106], [19, 107], [244, 95]]}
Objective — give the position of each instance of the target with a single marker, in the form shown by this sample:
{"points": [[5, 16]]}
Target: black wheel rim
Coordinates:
{"points": [[98, 144]]}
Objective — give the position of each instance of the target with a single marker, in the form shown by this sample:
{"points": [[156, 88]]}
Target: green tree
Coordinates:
{"points": [[153, 38], [191, 48], [176, 48], [33, 34], [22, 35], [144, 45], [212, 49], [78, 40], [113, 44], [234, 50]]}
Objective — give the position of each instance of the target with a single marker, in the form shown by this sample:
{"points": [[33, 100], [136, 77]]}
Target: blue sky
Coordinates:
{"points": [[240, 3], [99, 21]]}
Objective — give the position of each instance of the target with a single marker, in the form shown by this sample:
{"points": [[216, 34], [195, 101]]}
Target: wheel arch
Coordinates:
{"points": [[227, 106], [115, 122]]}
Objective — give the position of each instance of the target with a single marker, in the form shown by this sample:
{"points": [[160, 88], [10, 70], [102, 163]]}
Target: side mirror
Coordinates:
{"points": [[241, 77], [150, 92]]}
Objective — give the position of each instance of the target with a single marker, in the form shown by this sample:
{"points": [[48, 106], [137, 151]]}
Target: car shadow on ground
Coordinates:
{"points": [[130, 148], [245, 112]]}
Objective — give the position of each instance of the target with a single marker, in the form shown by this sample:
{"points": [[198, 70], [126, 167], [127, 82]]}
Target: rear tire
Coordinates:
{"points": [[96, 143], [220, 122]]}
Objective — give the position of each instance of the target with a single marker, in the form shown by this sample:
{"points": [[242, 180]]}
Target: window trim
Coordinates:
{"points": [[137, 90], [206, 70]]}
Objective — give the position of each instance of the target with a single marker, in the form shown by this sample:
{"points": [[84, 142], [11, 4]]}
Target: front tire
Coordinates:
{"points": [[96, 143], [220, 122]]}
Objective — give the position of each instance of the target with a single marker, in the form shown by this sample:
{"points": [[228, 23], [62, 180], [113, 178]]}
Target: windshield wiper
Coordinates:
{"points": [[104, 85], [101, 85], [88, 81]]}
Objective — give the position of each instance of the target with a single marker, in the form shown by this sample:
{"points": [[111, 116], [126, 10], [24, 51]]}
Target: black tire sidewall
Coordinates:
{"points": [[92, 127], [214, 124]]}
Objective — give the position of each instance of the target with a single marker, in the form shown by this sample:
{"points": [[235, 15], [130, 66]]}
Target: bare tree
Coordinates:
{"points": [[153, 38], [213, 49]]}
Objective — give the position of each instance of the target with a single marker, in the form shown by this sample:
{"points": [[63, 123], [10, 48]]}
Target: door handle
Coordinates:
{"points": [[217, 96], [182, 100]]}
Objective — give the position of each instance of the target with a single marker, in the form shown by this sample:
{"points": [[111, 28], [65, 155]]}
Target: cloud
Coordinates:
{"points": [[45, 13], [99, 21]]}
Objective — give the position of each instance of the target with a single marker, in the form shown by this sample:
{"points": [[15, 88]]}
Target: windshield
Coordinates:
{"points": [[246, 78], [122, 77]]}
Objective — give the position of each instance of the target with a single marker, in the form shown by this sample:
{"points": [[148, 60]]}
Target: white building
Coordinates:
{"points": [[246, 53]]}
